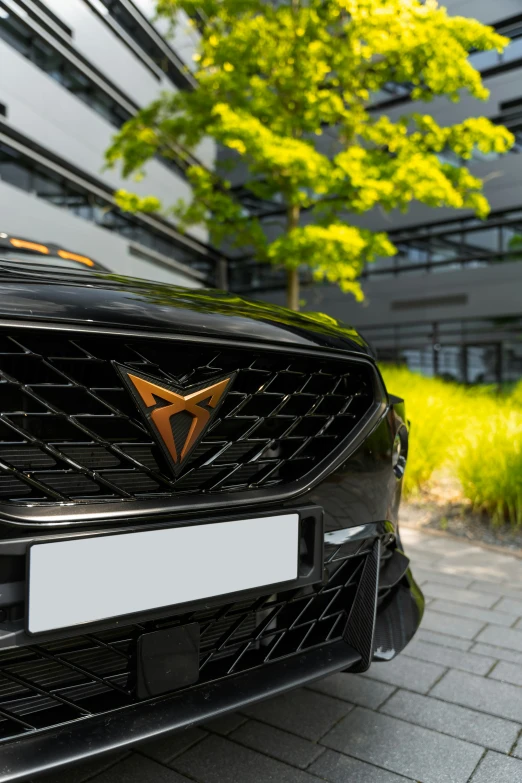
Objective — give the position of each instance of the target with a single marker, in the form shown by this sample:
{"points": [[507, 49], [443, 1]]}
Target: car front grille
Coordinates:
{"points": [[71, 433], [63, 681]]}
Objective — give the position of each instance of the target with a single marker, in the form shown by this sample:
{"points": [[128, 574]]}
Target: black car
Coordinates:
{"points": [[198, 506]]}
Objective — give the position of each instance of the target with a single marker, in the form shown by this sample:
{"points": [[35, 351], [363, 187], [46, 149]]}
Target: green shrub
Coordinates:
{"points": [[490, 461], [515, 395], [476, 432]]}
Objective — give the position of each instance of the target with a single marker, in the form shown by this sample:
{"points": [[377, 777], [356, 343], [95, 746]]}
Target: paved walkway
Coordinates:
{"points": [[448, 710]]}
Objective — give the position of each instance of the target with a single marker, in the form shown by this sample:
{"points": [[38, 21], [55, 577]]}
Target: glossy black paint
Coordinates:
{"points": [[110, 301], [73, 743], [360, 496], [364, 488]]}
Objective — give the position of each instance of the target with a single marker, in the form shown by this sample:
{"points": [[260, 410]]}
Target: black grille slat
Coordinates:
{"points": [[70, 431]]}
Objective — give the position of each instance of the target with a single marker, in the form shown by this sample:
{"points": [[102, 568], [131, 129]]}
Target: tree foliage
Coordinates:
{"points": [[287, 86]]}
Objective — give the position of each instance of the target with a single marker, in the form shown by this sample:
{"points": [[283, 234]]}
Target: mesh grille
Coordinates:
{"points": [[62, 681], [70, 431]]}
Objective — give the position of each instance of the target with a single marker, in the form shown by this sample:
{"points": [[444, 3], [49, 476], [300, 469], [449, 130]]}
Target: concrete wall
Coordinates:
{"points": [[485, 10], [487, 289]]}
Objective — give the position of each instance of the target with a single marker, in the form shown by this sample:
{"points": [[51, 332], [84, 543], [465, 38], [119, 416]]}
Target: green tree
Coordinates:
{"points": [[272, 78]]}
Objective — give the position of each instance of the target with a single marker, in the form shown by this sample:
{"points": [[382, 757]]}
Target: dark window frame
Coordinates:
{"points": [[127, 22]]}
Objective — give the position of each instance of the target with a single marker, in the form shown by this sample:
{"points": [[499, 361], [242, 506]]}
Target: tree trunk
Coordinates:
{"points": [[292, 289], [292, 273]]}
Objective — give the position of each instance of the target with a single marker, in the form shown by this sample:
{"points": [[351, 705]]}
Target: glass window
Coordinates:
{"points": [[21, 171], [173, 66], [449, 363], [513, 51], [441, 265], [46, 185], [443, 251], [512, 361], [482, 363], [466, 244], [12, 169], [419, 360], [381, 262], [45, 57], [14, 32], [412, 254], [486, 240], [484, 60], [22, 37]]}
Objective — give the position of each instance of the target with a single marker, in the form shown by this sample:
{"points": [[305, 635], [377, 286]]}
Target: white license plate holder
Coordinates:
{"points": [[84, 580]]}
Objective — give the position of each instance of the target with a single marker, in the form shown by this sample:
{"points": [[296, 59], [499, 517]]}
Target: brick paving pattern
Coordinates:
{"points": [[447, 710]]}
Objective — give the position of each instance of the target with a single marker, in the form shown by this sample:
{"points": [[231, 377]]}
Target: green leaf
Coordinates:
{"points": [[285, 89]]}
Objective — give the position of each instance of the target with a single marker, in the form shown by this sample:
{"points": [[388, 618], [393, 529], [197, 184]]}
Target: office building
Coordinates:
{"points": [[71, 73]]}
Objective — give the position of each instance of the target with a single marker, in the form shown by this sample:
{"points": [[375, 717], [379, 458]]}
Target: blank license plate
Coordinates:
{"points": [[85, 580]]}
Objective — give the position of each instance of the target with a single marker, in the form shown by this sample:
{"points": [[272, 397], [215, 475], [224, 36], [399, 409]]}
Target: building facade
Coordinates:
{"points": [[450, 302], [71, 72]]}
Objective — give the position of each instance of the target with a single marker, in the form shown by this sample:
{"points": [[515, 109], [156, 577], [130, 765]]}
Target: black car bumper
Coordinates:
{"points": [[323, 437], [64, 745], [74, 698]]}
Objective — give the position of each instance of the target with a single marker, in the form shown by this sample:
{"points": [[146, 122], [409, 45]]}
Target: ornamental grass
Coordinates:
{"points": [[473, 432]]}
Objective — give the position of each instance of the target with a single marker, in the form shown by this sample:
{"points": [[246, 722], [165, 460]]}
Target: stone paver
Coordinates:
{"points": [[481, 693], [504, 589], [407, 672], [85, 770], [510, 605], [302, 712], [448, 710], [355, 689], [442, 639], [400, 747], [500, 653], [226, 724], [503, 637], [477, 664], [461, 722], [462, 627], [274, 742], [338, 768], [423, 575], [166, 748], [217, 760], [435, 590], [495, 768], [507, 672], [137, 769], [493, 616]]}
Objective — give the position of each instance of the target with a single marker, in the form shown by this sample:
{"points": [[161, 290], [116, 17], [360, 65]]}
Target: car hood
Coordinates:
{"points": [[114, 301]]}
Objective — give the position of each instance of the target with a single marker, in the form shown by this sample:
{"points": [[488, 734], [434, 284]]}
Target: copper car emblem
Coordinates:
{"points": [[176, 419]]}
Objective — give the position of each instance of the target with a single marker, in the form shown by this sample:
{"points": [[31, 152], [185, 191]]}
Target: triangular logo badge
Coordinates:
{"points": [[176, 418]]}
